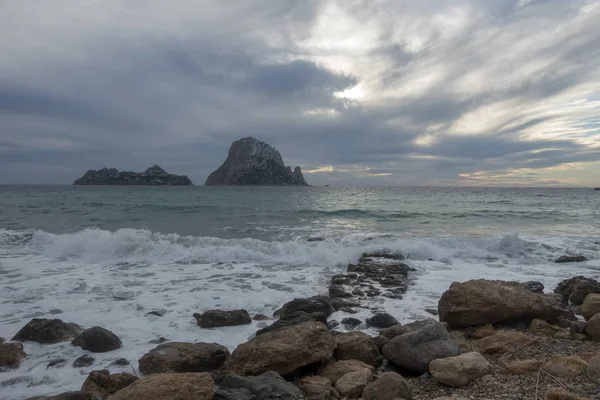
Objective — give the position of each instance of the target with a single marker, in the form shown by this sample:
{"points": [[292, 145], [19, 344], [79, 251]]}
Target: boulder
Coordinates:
{"points": [[591, 305], [269, 385], [351, 322], [534, 286], [83, 361], [185, 386], [102, 383], [11, 355], [592, 329], [569, 259], [219, 318], [321, 304], [523, 367], [97, 340], [388, 386], [338, 291], [393, 331], [481, 302], [503, 342], [47, 331], [565, 366], [283, 350], [460, 370], [260, 317], [184, 357], [352, 385], [542, 328], [416, 349], [380, 341], [335, 371], [593, 369], [382, 320], [294, 318], [357, 346], [562, 394], [576, 289]]}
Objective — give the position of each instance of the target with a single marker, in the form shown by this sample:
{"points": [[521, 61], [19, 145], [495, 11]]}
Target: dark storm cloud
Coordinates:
{"points": [[450, 87]]}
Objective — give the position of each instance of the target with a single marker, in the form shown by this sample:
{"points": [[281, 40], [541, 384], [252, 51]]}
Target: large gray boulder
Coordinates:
{"points": [[252, 162], [283, 350], [47, 331], [416, 349], [154, 175], [320, 304], [481, 302], [97, 340]]}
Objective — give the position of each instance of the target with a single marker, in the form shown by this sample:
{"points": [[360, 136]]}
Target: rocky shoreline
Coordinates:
{"points": [[491, 340]]}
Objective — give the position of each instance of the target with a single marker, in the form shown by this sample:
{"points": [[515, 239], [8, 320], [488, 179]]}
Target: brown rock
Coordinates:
{"points": [[11, 354], [102, 383], [484, 331], [481, 302], [352, 385], [593, 369], [185, 386], [504, 341], [316, 380], [592, 329], [388, 386], [283, 350], [577, 288], [335, 371], [523, 367], [562, 394], [357, 346], [542, 328], [565, 366], [460, 370], [318, 387], [393, 331], [591, 306], [184, 357]]}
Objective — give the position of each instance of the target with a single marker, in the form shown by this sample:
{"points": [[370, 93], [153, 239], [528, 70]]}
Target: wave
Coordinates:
{"points": [[143, 246]]}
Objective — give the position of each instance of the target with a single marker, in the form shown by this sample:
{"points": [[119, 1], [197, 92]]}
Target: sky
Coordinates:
{"points": [[358, 93]]}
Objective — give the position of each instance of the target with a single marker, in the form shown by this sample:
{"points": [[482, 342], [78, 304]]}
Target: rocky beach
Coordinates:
{"points": [[487, 339]]}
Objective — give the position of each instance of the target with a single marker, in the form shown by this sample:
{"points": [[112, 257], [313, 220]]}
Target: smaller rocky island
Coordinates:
{"points": [[251, 162], [153, 176]]}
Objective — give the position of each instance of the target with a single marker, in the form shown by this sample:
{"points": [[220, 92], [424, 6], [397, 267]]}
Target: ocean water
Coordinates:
{"points": [[108, 255]]}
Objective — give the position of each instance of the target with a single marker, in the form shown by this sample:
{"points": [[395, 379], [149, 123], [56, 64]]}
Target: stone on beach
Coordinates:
{"points": [[352, 384], [591, 306], [47, 331], [321, 304], [382, 320], [357, 346], [185, 386], [460, 370], [219, 318], [388, 386], [97, 340], [577, 288], [102, 383], [335, 371], [266, 386], [11, 355], [184, 357]]}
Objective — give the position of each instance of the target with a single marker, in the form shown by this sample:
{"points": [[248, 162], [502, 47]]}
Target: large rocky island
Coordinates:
{"points": [[154, 175], [252, 162]]}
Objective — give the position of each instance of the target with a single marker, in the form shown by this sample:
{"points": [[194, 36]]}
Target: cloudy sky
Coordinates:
{"points": [[378, 92]]}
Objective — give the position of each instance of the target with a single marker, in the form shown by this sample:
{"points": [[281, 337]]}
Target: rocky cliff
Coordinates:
{"points": [[252, 162], [152, 176]]}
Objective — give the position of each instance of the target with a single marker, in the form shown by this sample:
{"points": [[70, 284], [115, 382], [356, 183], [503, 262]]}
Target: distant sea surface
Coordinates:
{"points": [[108, 255]]}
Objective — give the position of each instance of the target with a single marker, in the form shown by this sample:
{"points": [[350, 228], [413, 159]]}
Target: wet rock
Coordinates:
{"points": [[393, 331], [158, 341], [349, 310], [97, 340], [380, 341], [382, 320], [576, 289], [11, 355], [83, 361], [321, 304], [592, 328], [269, 385], [332, 324], [351, 322], [565, 366], [155, 313], [292, 319], [416, 349], [481, 302], [347, 279], [121, 362], [338, 291], [284, 350], [523, 367], [542, 328], [102, 383], [339, 304], [185, 386], [432, 311], [460, 370], [47, 331], [56, 363], [534, 286], [570, 259], [591, 306], [357, 346], [219, 318], [184, 357], [335, 371], [260, 317], [503, 342], [352, 385], [388, 386], [358, 292]]}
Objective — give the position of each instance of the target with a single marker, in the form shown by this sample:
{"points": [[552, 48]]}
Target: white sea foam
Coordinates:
{"points": [[112, 279]]}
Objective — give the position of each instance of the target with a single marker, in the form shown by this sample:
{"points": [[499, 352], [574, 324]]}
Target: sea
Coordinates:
{"points": [[107, 256]]}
